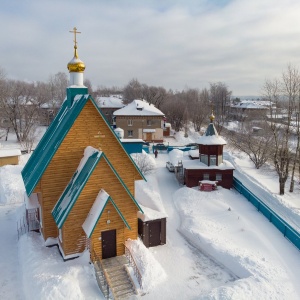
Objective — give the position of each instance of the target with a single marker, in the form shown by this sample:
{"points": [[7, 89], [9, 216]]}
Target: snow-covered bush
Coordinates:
{"points": [[145, 162]]}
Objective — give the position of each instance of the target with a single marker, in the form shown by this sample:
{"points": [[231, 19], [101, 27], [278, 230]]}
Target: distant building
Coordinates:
{"points": [[108, 105], [246, 108], [9, 156], [141, 120]]}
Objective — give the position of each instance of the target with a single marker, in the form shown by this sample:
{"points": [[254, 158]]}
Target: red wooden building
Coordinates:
{"points": [[210, 165]]}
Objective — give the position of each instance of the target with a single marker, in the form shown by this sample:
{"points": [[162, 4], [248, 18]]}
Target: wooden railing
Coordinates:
{"points": [[133, 264], [105, 288]]}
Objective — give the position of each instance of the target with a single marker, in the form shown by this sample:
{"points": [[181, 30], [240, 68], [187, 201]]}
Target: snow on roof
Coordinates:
{"points": [[150, 214], [139, 108], [147, 194], [253, 104], [109, 102], [149, 130], [9, 152], [211, 140], [95, 212], [32, 201], [194, 153], [132, 141]]}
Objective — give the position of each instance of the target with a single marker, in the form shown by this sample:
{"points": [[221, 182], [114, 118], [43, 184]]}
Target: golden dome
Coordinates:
{"points": [[75, 64], [212, 117]]}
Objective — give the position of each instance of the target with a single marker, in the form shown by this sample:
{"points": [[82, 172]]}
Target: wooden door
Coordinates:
{"points": [[154, 233], [148, 136], [109, 243]]}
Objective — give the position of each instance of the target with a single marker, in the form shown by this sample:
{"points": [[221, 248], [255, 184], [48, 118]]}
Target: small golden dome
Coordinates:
{"points": [[75, 64], [212, 117]]}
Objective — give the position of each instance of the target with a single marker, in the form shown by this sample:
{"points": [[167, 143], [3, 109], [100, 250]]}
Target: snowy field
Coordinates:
{"points": [[218, 245]]}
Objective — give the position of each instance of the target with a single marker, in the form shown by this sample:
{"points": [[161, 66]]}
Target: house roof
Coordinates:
{"points": [[53, 137], [69, 196], [139, 108], [96, 211], [110, 102]]}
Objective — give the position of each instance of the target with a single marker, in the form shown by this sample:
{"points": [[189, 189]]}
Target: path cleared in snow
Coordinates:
{"points": [[192, 272]]}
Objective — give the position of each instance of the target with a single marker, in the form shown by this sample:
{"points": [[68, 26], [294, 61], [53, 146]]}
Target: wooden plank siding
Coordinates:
{"points": [[102, 177], [193, 176], [9, 160], [83, 133]]}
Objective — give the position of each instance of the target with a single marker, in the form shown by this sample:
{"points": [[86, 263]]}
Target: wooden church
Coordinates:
{"points": [[80, 182]]}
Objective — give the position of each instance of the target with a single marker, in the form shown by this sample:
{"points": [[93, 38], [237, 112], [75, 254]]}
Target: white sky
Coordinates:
{"points": [[175, 44]]}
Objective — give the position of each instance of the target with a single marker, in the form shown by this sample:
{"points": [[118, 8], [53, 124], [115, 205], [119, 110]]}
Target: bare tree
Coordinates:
{"points": [[288, 90], [257, 147], [220, 99], [174, 108], [144, 162], [154, 95], [133, 90], [58, 84], [198, 107]]}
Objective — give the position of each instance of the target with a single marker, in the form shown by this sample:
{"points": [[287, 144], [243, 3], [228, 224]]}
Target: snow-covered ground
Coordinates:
{"points": [[218, 245]]}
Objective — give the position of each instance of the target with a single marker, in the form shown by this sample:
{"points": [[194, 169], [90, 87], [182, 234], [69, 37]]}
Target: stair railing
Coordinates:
{"points": [[105, 279], [133, 264]]}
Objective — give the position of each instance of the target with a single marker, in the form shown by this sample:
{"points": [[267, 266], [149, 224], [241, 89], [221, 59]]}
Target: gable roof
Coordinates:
{"points": [[53, 137], [139, 108], [96, 211], [72, 191]]}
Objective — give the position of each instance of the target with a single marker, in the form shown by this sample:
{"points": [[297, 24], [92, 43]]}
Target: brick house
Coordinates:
{"points": [[141, 120]]}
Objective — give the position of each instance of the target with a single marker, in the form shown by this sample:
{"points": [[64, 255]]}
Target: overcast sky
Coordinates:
{"points": [[174, 44]]}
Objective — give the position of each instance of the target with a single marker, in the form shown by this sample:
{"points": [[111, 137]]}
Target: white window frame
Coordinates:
{"points": [[149, 122], [205, 176], [219, 177], [212, 160], [130, 122], [130, 133]]}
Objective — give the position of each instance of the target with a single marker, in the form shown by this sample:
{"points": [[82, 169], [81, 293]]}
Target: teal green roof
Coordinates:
{"points": [[53, 137], [211, 130], [69, 197]]}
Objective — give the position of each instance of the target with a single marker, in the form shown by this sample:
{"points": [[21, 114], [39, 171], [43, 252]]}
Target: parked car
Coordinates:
{"points": [[193, 145], [170, 166]]}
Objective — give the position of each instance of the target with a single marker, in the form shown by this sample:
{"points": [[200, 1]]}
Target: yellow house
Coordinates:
{"points": [[9, 156]]}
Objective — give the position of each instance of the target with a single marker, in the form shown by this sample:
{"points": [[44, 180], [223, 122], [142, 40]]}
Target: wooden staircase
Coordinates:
{"points": [[114, 280]]}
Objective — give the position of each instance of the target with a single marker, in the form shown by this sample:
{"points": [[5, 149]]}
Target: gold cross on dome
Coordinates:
{"points": [[75, 32], [100, 136]]}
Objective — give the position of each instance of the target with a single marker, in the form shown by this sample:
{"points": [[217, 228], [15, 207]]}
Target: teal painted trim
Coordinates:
{"points": [[50, 142], [119, 212], [53, 137], [99, 110], [122, 182], [80, 181]]}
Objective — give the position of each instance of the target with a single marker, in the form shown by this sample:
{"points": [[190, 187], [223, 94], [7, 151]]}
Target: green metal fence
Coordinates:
{"points": [[288, 231]]}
